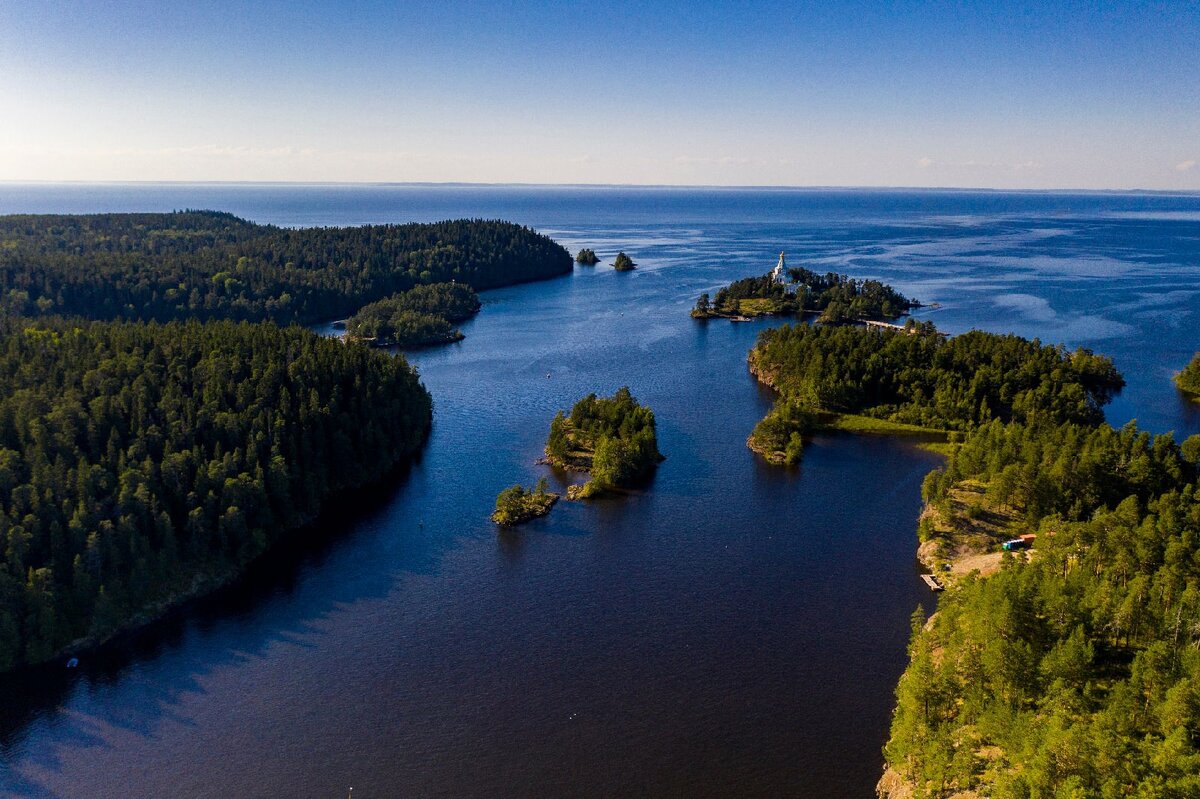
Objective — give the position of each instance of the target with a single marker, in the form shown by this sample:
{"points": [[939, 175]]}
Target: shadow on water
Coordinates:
{"points": [[730, 628], [31, 693]]}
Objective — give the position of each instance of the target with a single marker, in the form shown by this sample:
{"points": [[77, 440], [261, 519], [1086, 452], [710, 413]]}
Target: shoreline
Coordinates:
{"points": [[207, 586]]}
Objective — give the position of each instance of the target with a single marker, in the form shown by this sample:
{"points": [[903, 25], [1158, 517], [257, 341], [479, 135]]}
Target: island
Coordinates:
{"points": [[213, 265], [145, 463], [1188, 380], [516, 505], [917, 381], [623, 263], [418, 317], [614, 438], [836, 299], [587, 257]]}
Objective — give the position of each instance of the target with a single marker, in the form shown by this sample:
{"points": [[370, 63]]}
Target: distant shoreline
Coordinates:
{"points": [[621, 186]]}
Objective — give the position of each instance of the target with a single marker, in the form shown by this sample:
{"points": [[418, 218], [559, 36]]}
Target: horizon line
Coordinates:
{"points": [[673, 186]]}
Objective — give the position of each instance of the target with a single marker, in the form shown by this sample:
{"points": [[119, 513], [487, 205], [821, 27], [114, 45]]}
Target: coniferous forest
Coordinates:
{"points": [[153, 452], [920, 377], [1074, 671], [140, 462], [211, 265], [419, 316]]}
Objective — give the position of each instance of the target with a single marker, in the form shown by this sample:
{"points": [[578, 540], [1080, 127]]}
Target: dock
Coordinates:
{"points": [[884, 325], [933, 582]]}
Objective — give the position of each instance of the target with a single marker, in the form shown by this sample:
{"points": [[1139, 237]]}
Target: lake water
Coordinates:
{"points": [[731, 629]]}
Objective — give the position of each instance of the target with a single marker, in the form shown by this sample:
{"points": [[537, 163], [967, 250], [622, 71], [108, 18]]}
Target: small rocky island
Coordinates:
{"points": [[419, 317], [623, 263], [587, 257], [517, 505], [795, 291], [613, 438]]}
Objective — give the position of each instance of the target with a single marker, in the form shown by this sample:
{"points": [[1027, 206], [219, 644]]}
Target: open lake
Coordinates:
{"points": [[732, 629]]}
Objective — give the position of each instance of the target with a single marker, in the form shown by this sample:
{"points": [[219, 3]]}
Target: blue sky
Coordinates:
{"points": [[1053, 95]]}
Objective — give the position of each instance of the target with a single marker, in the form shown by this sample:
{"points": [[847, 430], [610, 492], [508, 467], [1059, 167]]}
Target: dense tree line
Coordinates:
{"points": [[1189, 379], [612, 437], [779, 436], [142, 461], [840, 298], [207, 265], [919, 377], [837, 298], [1076, 672], [419, 316]]}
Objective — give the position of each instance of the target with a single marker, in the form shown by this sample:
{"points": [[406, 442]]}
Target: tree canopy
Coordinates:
{"points": [[209, 265], [623, 263], [1074, 672], [837, 298], [419, 316], [919, 377], [141, 461], [612, 437]]}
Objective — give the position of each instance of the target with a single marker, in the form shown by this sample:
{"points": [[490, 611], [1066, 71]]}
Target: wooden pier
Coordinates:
{"points": [[933, 582]]}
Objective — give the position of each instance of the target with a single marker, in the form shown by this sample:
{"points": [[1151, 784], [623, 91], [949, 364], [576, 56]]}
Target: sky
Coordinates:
{"points": [[964, 94]]}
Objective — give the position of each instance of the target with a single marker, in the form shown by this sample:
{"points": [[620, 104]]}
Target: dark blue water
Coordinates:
{"points": [[732, 629]]}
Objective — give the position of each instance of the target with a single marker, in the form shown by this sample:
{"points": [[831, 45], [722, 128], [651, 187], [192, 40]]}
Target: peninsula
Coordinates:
{"points": [[212, 265], [1073, 668], [418, 317], [917, 381]]}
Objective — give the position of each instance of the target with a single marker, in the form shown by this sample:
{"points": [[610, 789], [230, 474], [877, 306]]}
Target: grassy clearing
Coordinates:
{"points": [[758, 307], [965, 532], [853, 423]]}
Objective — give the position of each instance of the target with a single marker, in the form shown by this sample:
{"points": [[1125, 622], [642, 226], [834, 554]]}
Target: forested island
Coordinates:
{"points": [[141, 463], [916, 380], [517, 505], [587, 257], [623, 263], [835, 298], [614, 438], [1188, 380], [420, 316], [209, 265]]}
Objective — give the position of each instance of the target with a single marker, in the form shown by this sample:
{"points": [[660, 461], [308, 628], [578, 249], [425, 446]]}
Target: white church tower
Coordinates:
{"points": [[779, 275]]}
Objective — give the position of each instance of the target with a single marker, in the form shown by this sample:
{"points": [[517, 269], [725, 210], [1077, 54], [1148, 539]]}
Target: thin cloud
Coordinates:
{"points": [[1186, 166]]}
